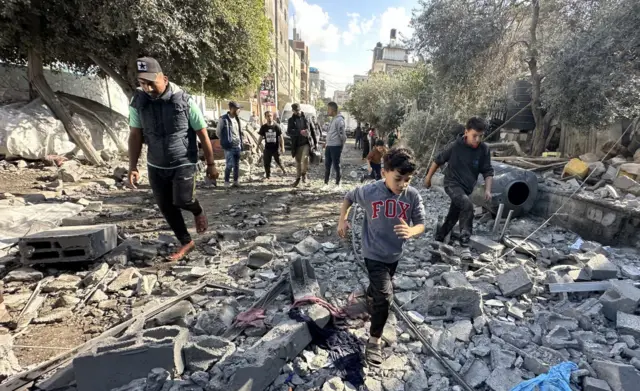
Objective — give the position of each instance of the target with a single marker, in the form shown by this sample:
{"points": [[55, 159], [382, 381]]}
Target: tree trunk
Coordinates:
{"points": [[537, 145], [40, 84], [134, 54], [121, 81]]}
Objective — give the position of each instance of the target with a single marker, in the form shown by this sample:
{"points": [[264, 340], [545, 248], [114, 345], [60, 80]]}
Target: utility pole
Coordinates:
{"points": [[277, 81]]}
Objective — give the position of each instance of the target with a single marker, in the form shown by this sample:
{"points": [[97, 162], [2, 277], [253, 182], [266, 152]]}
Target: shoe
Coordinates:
{"points": [[182, 252], [325, 187], [338, 187], [236, 184], [296, 182], [201, 222], [304, 178], [284, 172], [465, 254], [227, 184], [373, 354]]}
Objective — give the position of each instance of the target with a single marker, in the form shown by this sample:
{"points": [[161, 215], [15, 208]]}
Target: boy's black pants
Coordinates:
{"points": [[461, 209], [268, 156], [174, 189], [381, 293]]}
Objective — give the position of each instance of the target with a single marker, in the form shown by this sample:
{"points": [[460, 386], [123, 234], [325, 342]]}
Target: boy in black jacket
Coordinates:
{"points": [[467, 157]]}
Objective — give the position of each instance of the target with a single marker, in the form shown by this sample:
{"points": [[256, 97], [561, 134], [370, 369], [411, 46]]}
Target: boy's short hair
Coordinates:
{"points": [[267, 112], [379, 143], [476, 123], [401, 160], [333, 105]]}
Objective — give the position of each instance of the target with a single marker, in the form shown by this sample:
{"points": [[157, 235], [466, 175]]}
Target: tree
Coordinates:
{"points": [[383, 100], [479, 48], [218, 48]]}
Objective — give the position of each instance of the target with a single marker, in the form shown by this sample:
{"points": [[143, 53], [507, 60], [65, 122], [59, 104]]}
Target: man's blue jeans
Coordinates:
{"points": [[232, 161]]}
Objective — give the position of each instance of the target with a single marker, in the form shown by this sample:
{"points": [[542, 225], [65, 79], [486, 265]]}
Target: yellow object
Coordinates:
{"points": [[551, 154], [576, 167], [622, 172]]}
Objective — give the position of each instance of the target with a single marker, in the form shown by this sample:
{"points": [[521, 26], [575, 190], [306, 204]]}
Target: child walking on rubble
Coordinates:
{"points": [[390, 206], [375, 162]]}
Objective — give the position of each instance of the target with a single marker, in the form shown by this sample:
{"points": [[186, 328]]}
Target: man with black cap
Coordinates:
{"points": [[303, 140], [229, 132], [166, 118]]}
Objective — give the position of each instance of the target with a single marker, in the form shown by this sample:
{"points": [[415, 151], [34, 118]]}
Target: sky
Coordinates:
{"points": [[341, 34]]}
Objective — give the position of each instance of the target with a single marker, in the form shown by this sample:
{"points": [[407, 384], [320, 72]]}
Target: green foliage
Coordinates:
{"points": [[219, 47], [595, 76], [384, 100], [423, 130]]}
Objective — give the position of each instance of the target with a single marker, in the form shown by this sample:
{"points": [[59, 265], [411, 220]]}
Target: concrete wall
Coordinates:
{"points": [[15, 87], [595, 220]]}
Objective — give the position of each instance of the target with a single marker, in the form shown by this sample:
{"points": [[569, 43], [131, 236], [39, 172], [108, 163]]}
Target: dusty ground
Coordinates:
{"points": [[136, 215]]}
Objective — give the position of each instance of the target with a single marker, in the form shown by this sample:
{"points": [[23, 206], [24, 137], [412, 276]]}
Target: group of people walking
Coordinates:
{"points": [[165, 117]]}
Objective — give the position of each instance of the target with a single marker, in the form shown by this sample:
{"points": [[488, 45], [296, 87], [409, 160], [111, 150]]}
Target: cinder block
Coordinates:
{"points": [[620, 377], [592, 384], [621, 296], [68, 244], [628, 324], [600, 267], [484, 245], [107, 368], [302, 277]]}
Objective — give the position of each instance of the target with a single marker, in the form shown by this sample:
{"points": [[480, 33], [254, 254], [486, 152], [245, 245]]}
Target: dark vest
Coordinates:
{"points": [[165, 126]]}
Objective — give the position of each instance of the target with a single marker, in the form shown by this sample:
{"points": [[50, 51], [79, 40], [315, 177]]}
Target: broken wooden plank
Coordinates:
{"points": [[230, 288], [584, 286]]}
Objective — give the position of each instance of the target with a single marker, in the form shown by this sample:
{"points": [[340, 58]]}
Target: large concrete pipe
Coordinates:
{"points": [[512, 186]]}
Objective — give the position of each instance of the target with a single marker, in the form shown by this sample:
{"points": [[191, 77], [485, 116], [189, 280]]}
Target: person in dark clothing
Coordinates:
{"points": [[271, 133], [365, 142], [167, 119], [467, 157], [303, 141], [358, 136], [375, 161], [230, 133], [393, 136], [390, 206]]}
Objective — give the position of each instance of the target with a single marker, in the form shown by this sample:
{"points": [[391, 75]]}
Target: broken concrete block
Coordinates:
{"points": [[501, 358], [623, 182], [630, 271], [600, 268], [592, 384], [484, 245], [128, 278], [628, 324], [560, 338], [68, 244], [455, 279], [24, 274], [477, 373], [202, 352], [440, 300], [146, 284], [70, 171], [515, 282], [173, 314], [96, 274], [461, 330], [215, 321], [620, 377], [54, 316], [621, 296], [259, 257], [75, 221], [308, 246], [112, 366], [9, 364], [98, 296], [66, 301], [502, 379], [64, 282]]}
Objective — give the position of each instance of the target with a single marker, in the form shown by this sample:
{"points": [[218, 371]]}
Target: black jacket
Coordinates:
{"points": [[297, 124], [465, 164]]}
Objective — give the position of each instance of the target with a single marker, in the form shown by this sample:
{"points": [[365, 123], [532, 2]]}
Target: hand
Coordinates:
{"points": [[427, 182], [212, 172], [370, 169], [487, 195], [343, 227], [403, 230], [134, 177], [281, 150], [304, 132]]}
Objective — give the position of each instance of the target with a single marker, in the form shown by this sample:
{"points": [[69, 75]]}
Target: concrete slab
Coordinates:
{"points": [[441, 300], [620, 377], [303, 279], [600, 268], [593, 384], [620, 297], [515, 282], [485, 245], [628, 324], [115, 365], [68, 244], [502, 379]]}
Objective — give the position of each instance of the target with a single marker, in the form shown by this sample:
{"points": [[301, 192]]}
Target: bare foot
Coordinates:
{"points": [[201, 222], [182, 252]]}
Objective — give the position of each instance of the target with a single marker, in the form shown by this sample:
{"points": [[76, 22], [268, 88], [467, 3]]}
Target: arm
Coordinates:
{"points": [[342, 132], [219, 127], [440, 160], [403, 230], [487, 173], [432, 170], [343, 224], [281, 140], [135, 147], [313, 134]]}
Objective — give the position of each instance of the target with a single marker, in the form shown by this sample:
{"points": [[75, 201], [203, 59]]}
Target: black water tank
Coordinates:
{"points": [[519, 97]]}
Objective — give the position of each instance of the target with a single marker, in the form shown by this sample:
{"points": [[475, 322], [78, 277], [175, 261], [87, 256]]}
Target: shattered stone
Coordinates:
{"points": [[461, 330], [66, 301], [108, 304], [133, 385], [515, 282], [442, 301], [600, 268], [455, 279], [156, 379], [621, 296], [485, 245], [620, 377], [559, 338], [215, 321], [202, 352], [631, 272], [96, 275], [503, 379], [501, 358], [477, 373], [415, 317], [405, 283], [259, 257], [54, 316], [24, 274], [173, 314], [515, 311], [146, 284], [372, 384], [70, 171], [308, 246], [434, 367], [592, 384], [628, 324], [9, 364], [98, 296], [65, 282], [128, 278], [200, 378], [445, 343]]}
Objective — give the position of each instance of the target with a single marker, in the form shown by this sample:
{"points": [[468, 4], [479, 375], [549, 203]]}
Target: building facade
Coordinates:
{"points": [[390, 58], [340, 97], [314, 85], [358, 78], [303, 51], [323, 89], [278, 12]]}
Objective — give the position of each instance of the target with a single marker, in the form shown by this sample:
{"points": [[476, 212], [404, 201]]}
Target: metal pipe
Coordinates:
{"points": [[496, 223], [514, 187], [506, 225]]}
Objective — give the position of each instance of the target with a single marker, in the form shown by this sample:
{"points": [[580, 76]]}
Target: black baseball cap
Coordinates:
{"points": [[148, 68], [234, 105]]}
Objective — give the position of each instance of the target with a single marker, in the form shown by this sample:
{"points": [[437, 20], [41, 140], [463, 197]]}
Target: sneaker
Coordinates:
{"points": [[296, 182], [227, 184], [325, 187], [236, 184], [304, 178], [338, 187], [465, 254]]}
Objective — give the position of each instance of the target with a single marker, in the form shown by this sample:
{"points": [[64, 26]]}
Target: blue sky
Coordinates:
{"points": [[342, 34]]}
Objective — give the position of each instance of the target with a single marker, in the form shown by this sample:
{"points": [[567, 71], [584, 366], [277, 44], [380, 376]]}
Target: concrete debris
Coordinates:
{"points": [[96, 275], [442, 301], [146, 284], [24, 274], [215, 321], [620, 297], [65, 282], [502, 379], [259, 257], [620, 377], [308, 246], [128, 278], [202, 352], [54, 316], [485, 245], [515, 282], [173, 314], [9, 364], [600, 268], [628, 324], [592, 384]]}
